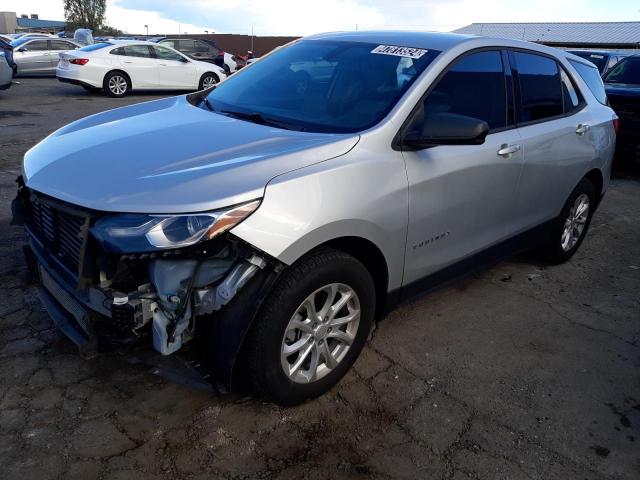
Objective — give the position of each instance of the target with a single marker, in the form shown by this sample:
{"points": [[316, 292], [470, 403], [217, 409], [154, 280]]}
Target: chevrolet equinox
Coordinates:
{"points": [[270, 220]]}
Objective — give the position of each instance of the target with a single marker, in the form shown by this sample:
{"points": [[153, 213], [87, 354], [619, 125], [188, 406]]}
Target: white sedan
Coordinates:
{"points": [[121, 66]]}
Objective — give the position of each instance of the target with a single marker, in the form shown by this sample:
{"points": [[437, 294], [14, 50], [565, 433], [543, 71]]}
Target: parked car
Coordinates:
{"points": [[602, 59], [201, 50], [8, 53], [276, 223], [39, 55], [119, 67], [6, 71], [622, 85]]}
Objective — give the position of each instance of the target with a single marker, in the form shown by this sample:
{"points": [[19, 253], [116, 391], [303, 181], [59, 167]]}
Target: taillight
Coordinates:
{"points": [[616, 124], [79, 61]]}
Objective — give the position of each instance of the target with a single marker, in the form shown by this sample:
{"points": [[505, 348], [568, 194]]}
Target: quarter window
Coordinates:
{"points": [[474, 87], [591, 76], [540, 87]]}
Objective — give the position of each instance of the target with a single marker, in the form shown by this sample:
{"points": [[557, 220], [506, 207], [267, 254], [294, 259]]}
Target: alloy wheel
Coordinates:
{"points": [[208, 82], [575, 222], [118, 85], [320, 333]]}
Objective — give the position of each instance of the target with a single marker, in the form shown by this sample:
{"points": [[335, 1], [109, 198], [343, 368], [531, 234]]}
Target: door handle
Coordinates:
{"points": [[506, 150], [126, 61], [582, 129]]}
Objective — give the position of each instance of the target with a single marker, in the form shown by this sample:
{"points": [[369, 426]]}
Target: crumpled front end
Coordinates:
{"points": [[104, 300]]}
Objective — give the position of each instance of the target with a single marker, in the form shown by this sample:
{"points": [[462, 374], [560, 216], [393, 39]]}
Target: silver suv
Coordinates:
{"points": [[268, 222]]}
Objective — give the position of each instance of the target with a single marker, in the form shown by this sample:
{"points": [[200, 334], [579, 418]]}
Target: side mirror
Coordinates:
{"points": [[22, 49], [447, 129], [184, 60]]}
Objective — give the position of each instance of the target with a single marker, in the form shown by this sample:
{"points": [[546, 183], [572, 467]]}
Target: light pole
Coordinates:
{"points": [[147, 27]]}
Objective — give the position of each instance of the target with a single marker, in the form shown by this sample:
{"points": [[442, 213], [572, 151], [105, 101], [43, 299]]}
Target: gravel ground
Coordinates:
{"points": [[522, 371]]}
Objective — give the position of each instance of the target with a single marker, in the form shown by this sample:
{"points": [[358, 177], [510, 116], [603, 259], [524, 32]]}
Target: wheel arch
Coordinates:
{"points": [[371, 257], [597, 179], [117, 70], [207, 73]]}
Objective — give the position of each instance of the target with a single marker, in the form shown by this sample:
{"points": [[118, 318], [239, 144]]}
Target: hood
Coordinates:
{"points": [[623, 89], [168, 156]]}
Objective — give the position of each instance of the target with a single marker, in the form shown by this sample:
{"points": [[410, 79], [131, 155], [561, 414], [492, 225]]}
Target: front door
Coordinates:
{"points": [[33, 57], [461, 197], [174, 70], [141, 66]]}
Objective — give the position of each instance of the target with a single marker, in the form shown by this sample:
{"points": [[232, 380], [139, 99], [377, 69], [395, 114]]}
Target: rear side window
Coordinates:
{"points": [[169, 43], [591, 77], [540, 87], [61, 45], [187, 46], [474, 87]]}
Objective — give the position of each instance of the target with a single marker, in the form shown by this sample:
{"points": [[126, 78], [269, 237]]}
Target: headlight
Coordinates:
{"points": [[136, 233]]}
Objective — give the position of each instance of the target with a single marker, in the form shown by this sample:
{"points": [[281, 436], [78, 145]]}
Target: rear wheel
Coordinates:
{"points": [[572, 224], [117, 84], [311, 328], [208, 80]]}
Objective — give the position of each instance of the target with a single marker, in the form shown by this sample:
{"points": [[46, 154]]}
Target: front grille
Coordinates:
{"points": [[62, 233]]}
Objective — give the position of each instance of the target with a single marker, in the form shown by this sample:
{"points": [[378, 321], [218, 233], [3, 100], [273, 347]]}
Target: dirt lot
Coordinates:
{"points": [[520, 372]]}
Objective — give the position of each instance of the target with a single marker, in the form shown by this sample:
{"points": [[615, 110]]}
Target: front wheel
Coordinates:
{"points": [[312, 327], [572, 224]]}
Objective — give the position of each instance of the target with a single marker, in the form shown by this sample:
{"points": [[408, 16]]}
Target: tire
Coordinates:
{"points": [[117, 84], [342, 275], [561, 247], [208, 80]]}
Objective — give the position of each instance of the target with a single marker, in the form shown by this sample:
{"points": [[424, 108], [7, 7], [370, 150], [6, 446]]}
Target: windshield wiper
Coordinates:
{"points": [[257, 117]]}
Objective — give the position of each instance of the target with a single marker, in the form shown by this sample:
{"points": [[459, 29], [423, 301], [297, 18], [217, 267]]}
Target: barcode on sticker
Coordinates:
{"points": [[399, 51]]}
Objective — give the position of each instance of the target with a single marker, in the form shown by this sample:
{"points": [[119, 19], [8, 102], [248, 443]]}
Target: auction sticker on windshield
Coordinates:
{"points": [[399, 51]]}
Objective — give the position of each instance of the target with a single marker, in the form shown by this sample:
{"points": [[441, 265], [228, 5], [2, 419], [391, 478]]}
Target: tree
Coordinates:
{"points": [[84, 13]]}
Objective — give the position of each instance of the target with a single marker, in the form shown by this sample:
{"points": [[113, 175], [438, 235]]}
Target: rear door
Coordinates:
{"points": [[35, 58], [58, 47], [554, 127], [174, 71], [461, 196]]}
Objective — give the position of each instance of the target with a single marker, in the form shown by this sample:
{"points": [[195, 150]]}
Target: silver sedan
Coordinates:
{"points": [[40, 55], [6, 73]]}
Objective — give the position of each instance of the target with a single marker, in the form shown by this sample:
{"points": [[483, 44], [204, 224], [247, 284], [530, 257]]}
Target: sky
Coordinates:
{"points": [[304, 17]]}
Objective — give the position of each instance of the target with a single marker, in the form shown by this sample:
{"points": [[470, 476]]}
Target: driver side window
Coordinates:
{"points": [[474, 86]]}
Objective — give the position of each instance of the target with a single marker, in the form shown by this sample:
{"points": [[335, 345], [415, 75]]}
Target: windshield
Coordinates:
{"points": [[322, 86], [625, 71]]}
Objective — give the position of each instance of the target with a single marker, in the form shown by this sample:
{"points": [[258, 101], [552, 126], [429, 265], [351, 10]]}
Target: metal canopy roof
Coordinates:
{"points": [[37, 23], [579, 33]]}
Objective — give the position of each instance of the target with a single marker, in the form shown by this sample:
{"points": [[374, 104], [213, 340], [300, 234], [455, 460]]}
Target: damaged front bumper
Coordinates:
{"points": [[166, 299]]}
